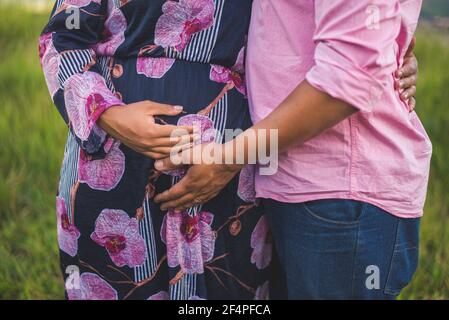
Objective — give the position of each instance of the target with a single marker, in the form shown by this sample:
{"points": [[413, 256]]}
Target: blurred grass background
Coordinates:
{"points": [[32, 138]]}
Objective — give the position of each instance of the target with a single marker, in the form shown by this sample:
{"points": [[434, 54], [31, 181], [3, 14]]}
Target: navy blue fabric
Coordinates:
{"points": [[328, 249], [232, 273]]}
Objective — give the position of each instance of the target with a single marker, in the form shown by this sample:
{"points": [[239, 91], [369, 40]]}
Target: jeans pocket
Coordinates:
{"points": [[404, 261], [335, 211]]}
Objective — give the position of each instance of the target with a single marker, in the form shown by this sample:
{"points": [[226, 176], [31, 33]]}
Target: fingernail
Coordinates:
{"points": [[405, 95], [401, 84], [158, 164], [400, 74], [178, 108]]}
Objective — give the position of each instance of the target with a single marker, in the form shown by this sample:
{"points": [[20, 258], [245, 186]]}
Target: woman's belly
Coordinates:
{"points": [[187, 84]]}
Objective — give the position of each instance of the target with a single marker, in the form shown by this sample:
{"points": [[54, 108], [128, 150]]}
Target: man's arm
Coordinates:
{"points": [[354, 58]]}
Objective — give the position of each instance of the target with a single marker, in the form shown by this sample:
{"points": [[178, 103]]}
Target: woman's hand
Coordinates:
{"points": [[407, 77], [135, 126]]}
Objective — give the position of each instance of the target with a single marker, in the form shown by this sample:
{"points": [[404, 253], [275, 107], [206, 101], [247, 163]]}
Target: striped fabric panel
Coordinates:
{"points": [[146, 229], [73, 62], [202, 43], [185, 288], [219, 115], [103, 62], [59, 3], [69, 172]]}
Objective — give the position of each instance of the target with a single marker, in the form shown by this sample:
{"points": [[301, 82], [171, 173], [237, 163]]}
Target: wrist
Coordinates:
{"points": [[229, 158]]}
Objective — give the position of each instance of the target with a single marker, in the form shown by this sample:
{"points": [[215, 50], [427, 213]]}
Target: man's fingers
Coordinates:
{"points": [[406, 83], [177, 191], [409, 93], [409, 68], [179, 204]]}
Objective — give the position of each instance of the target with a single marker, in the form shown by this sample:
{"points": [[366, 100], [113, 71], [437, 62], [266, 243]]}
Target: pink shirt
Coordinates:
{"points": [[349, 49]]}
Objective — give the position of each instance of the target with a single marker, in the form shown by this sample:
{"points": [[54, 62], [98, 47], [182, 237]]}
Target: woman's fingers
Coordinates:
{"points": [[156, 109], [171, 130], [173, 141]]}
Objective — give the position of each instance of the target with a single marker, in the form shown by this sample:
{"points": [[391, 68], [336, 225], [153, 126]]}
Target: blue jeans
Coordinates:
{"points": [[341, 249]]}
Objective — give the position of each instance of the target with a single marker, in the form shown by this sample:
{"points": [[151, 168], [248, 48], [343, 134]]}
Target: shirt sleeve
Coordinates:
{"points": [[355, 49], [73, 76]]}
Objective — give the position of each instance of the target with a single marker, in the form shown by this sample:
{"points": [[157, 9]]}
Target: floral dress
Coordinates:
{"points": [[115, 243]]}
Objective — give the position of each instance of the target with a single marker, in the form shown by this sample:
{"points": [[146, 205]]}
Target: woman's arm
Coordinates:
{"points": [[83, 96]]}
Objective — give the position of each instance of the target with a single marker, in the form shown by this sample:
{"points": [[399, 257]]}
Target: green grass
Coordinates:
{"points": [[32, 137]]}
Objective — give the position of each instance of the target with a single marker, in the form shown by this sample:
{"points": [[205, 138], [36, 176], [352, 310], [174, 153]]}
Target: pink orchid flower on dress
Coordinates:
{"points": [[190, 240], [119, 234], [92, 287], [153, 67], [163, 295], [87, 97], [246, 189], [261, 243], [50, 60], [68, 234], [181, 19], [80, 3], [102, 174], [114, 31], [234, 75], [204, 127], [262, 292]]}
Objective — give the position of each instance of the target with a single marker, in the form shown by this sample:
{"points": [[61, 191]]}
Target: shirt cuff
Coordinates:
{"points": [[343, 80]]}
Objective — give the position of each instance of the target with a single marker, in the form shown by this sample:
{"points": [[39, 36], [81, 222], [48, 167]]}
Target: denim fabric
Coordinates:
{"points": [[341, 249]]}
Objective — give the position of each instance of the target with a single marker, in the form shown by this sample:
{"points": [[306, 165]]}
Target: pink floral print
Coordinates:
{"points": [[92, 287], [181, 19], [68, 234], [87, 97], [246, 189], [204, 127], [154, 67], [114, 31], [262, 292], [163, 295], [261, 243], [49, 59], [119, 234], [81, 3], [102, 174], [234, 75], [190, 240]]}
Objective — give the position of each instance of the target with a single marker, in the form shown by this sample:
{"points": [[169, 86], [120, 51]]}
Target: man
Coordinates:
{"points": [[346, 202]]}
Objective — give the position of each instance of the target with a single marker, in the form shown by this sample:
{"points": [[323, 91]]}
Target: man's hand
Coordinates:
{"points": [[202, 182], [407, 77]]}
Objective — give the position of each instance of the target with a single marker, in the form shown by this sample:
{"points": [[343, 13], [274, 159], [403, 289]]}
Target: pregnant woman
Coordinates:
{"points": [[116, 69]]}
